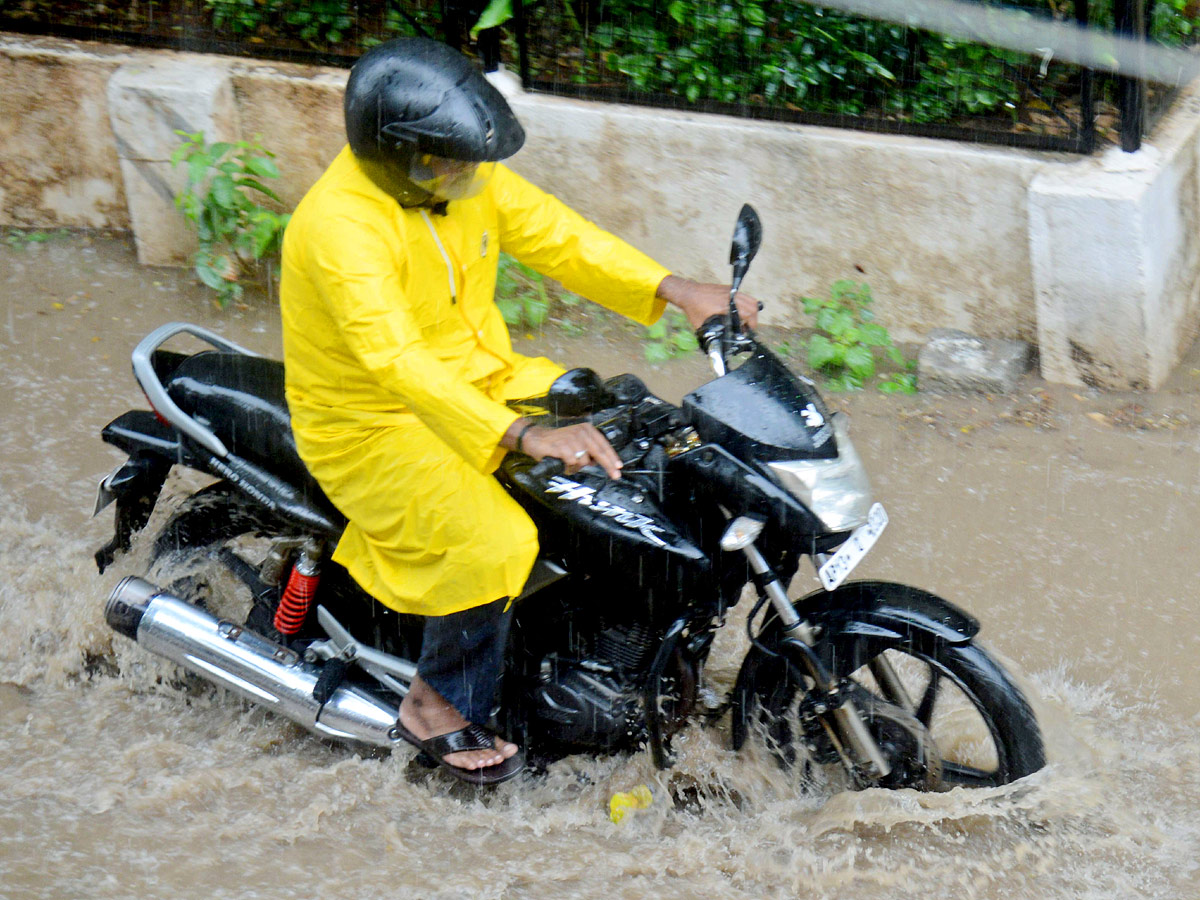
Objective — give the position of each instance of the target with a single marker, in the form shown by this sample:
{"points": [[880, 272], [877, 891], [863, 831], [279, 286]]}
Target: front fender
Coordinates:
{"points": [[879, 611], [898, 609]]}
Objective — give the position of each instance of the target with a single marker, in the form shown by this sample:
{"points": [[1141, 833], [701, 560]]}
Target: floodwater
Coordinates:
{"points": [[1066, 520]]}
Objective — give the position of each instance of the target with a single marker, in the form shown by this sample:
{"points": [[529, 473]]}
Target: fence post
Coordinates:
{"points": [[1087, 91], [522, 42], [1130, 20]]}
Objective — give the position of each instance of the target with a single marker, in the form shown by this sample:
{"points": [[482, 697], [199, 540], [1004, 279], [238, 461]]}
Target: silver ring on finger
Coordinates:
{"points": [[580, 454]]}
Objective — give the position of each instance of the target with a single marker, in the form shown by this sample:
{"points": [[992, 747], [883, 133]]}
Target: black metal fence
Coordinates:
{"points": [[798, 63], [786, 61]]}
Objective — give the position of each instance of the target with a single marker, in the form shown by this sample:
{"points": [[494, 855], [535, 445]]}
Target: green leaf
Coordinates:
{"points": [[255, 184], [657, 331], [899, 384], [198, 165], [822, 352], [685, 341], [260, 165], [265, 235], [873, 335], [210, 276], [223, 191], [678, 11], [495, 14], [860, 361], [835, 322], [657, 351], [536, 310], [511, 310]]}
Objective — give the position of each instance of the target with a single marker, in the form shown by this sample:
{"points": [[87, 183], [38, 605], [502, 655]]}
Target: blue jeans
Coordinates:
{"points": [[462, 654]]}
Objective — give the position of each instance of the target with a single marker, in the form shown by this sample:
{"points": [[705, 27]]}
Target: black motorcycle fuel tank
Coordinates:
{"points": [[762, 411], [617, 522]]}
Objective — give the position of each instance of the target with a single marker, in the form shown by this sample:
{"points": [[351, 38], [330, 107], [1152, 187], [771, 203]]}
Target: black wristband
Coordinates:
{"points": [[521, 435]]}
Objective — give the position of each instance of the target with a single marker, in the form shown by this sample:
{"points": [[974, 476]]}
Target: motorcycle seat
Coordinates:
{"points": [[241, 400]]}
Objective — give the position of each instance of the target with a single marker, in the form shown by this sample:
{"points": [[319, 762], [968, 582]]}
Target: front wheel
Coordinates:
{"points": [[945, 714]]}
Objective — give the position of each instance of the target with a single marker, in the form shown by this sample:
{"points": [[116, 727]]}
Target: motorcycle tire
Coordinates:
{"points": [[975, 719], [201, 556], [204, 554]]}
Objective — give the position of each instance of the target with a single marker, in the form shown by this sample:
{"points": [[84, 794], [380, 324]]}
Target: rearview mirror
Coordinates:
{"points": [[747, 236]]}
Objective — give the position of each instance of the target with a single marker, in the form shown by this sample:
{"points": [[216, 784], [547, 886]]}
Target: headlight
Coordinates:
{"points": [[836, 490]]}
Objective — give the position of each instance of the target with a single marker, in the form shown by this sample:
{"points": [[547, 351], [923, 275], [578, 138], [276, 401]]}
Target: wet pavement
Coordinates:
{"points": [[1065, 519]]}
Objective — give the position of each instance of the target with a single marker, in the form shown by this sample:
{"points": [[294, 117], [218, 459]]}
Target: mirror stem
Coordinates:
{"points": [[735, 322]]}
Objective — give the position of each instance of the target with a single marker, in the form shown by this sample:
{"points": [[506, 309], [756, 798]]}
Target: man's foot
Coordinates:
{"points": [[427, 714]]}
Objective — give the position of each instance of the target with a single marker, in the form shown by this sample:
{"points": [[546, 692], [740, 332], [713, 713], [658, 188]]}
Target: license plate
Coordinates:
{"points": [[104, 495], [850, 554]]}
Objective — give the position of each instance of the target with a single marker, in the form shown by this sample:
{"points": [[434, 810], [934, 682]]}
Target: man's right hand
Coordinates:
{"points": [[576, 445]]}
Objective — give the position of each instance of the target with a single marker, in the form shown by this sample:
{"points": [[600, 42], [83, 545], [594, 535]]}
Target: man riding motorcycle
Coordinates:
{"points": [[399, 367]]}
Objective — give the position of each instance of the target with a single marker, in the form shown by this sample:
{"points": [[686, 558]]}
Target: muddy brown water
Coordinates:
{"points": [[1067, 520]]}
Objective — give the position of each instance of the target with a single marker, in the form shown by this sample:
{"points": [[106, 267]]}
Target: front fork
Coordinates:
{"points": [[855, 744]]}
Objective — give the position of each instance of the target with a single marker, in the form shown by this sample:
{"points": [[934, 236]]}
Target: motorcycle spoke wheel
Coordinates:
{"points": [[945, 715], [962, 734], [984, 731], [209, 553]]}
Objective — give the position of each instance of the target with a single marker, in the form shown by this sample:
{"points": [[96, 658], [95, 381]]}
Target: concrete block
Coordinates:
{"points": [[149, 101], [161, 234], [955, 361], [1115, 245]]}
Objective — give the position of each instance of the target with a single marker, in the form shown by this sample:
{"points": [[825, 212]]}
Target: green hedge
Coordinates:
{"points": [[781, 54]]}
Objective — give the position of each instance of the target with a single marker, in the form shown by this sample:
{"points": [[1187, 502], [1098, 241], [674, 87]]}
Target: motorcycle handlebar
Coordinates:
{"points": [[709, 337]]}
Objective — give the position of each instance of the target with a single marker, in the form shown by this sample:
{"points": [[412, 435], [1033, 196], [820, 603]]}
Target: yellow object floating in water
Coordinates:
{"points": [[623, 802]]}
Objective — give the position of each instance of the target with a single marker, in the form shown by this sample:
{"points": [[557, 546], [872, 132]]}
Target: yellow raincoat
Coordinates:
{"points": [[399, 364]]}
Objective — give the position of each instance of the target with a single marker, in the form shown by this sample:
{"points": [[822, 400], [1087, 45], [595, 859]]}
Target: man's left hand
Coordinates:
{"points": [[699, 301]]}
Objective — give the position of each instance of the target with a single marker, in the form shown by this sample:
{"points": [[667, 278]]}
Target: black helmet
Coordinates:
{"points": [[417, 111]]}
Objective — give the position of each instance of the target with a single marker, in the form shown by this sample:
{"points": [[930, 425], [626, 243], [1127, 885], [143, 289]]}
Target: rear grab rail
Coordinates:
{"points": [[143, 371]]}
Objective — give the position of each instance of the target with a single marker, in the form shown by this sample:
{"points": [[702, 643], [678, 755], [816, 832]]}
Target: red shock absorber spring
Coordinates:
{"points": [[298, 594]]}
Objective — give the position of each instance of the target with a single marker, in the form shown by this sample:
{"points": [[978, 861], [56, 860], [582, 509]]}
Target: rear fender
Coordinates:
{"points": [[140, 433], [879, 611], [135, 485]]}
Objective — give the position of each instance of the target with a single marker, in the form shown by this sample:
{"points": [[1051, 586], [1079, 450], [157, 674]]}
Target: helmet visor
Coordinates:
{"points": [[449, 179]]}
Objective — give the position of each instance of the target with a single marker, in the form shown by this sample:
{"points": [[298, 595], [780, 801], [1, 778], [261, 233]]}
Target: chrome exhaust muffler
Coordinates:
{"points": [[226, 654]]}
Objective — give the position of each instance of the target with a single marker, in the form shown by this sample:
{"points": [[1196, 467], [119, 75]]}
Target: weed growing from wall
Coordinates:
{"points": [[848, 342], [669, 337], [221, 202]]}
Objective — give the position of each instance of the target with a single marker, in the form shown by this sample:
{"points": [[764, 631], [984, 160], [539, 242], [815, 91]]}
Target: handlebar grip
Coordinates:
{"points": [[710, 331], [548, 467]]}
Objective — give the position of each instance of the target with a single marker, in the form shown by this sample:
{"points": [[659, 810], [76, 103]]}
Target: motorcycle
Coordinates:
{"points": [[749, 475]]}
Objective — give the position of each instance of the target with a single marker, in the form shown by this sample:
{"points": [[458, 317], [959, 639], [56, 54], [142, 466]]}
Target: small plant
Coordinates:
{"points": [[220, 201], [847, 340], [669, 337], [521, 294], [238, 16], [21, 239]]}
